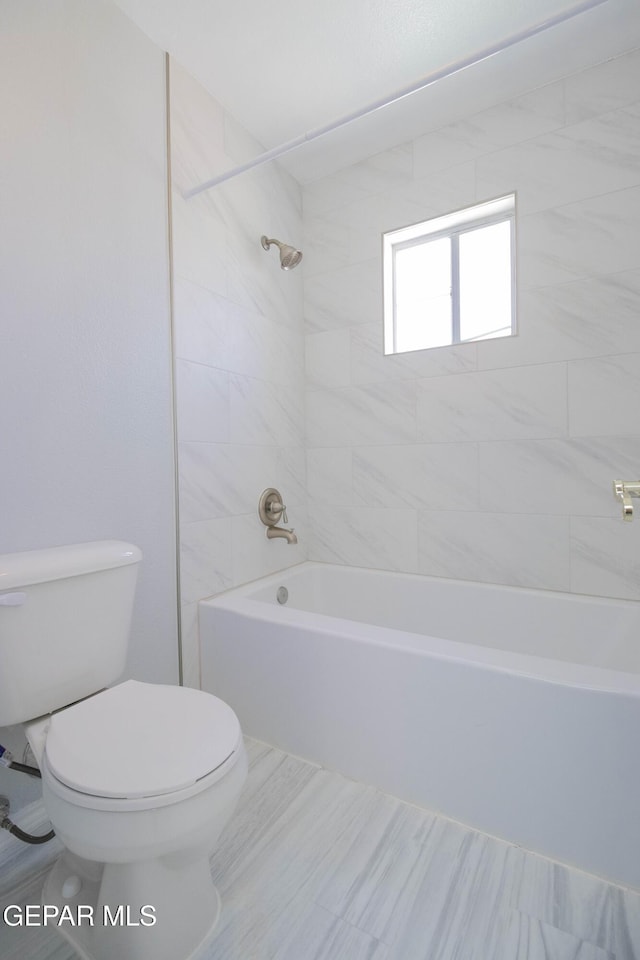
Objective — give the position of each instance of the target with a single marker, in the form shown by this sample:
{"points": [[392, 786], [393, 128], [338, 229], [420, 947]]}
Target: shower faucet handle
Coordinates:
{"points": [[623, 490], [278, 510], [271, 509]]}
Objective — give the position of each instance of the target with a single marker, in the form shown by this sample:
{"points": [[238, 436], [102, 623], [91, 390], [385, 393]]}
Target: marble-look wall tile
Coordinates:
{"points": [[384, 539], [253, 556], [190, 645], [205, 558], [605, 557], [213, 330], [512, 122], [557, 476], [437, 193], [352, 231], [585, 160], [330, 476], [544, 412], [330, 193], [264, 412], [370, 365], [238, 322], [515, 549], [290, 474], [603, 396], [199, 243], [203, 413], [202, 324], [260, 284], [374, 174], [198, 132], [379, 413], [603, 87], [327, 245], [239, 144], [569, 321], [221, 480], [341, 298], [224, 480], [442, 476], [580, 240], [328, 359], [494, 405]]}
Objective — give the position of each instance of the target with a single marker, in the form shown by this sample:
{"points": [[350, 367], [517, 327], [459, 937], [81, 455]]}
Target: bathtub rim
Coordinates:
{"points": [[241, 601]]}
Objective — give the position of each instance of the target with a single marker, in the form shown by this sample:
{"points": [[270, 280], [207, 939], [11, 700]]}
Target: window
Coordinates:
{"points": [[451, 279]]}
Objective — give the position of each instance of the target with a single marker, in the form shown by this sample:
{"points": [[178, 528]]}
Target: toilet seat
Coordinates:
{"points": [[139, 741]]}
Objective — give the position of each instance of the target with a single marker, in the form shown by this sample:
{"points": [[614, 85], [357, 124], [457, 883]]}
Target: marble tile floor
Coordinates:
{"points": [[314, 866]]}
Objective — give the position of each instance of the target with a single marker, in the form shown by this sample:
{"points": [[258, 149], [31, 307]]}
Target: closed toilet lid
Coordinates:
{"points": [[140, 740]]}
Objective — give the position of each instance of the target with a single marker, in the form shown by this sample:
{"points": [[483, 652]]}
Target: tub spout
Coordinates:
{"points": [[288, 535]]}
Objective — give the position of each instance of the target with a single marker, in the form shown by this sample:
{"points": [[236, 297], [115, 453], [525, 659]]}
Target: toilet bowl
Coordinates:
{"points": [[138, 779]]}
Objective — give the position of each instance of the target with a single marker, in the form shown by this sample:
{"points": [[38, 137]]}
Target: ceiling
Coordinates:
{"points": [[286, 67]]}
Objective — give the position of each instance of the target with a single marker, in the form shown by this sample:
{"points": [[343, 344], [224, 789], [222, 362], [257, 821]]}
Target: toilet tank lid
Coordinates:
{"points": [[140, 740], [57, 563]]}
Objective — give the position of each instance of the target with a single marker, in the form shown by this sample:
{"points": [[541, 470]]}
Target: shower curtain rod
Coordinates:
{"points": [[275, 152]]}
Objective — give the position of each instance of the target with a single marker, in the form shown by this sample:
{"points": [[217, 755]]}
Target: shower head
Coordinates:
{"points": [[289, 256]]}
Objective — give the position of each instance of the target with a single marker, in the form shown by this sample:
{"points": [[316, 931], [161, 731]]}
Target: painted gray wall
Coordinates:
{"points": [[85, 363]]}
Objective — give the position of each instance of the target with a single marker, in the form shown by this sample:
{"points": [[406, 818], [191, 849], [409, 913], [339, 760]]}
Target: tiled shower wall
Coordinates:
{"points": [[239, 349], [490, 461]]}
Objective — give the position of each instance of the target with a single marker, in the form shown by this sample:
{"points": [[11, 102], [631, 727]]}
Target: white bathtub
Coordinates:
{"points": [[514, 711]]}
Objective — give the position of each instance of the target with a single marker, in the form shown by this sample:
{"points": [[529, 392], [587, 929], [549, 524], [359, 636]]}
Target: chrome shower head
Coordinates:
{"points": [[289, 256]]}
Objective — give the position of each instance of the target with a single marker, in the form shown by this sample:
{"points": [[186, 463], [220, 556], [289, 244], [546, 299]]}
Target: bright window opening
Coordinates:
{"points": [[451, 279]]}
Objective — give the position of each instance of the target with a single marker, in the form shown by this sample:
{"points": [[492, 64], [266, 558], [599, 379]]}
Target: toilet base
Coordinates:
{"points": [[174, 919]]}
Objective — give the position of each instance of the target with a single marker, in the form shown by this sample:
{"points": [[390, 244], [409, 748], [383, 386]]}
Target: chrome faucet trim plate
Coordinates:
{"points": [[271, 510]]}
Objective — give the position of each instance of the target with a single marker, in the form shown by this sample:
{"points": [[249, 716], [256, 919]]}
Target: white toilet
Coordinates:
{"points": [[138, 779]]}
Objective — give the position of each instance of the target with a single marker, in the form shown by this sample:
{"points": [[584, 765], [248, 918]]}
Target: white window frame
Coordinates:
{"points": [[450, 225]]}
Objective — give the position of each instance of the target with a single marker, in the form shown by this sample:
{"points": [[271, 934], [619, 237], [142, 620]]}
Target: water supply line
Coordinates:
{"points": [[448, 71], [6, 760], [7, 824]]}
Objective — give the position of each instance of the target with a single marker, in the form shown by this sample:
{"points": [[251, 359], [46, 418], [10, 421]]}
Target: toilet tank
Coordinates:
{"points": [[65, 616]]}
